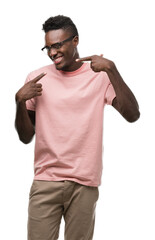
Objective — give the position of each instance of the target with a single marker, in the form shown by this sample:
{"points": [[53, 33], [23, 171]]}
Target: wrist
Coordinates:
{"points": [[110, 67], [19, 99]]}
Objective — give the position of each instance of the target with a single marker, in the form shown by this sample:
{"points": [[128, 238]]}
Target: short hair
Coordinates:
{"points": [[60, 22]]}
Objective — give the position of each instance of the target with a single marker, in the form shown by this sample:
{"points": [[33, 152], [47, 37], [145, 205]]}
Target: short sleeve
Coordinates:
{"points": [[30, 104], [110, 94]]}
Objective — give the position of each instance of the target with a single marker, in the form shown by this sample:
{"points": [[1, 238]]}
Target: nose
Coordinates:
{"points": [[52, 52]]}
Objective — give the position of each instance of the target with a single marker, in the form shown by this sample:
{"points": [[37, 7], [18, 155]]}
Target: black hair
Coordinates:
{"points": [[60, 22]]}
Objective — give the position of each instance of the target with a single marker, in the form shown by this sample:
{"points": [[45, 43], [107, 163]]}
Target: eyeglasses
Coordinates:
{"points": [[57, 45]]}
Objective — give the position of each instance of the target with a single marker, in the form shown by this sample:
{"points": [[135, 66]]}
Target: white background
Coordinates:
{"points": [[124, 32]]}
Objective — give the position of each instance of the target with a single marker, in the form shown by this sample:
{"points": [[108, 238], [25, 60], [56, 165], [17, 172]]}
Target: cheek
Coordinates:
{"points": [[68, 51], [70, 54]]}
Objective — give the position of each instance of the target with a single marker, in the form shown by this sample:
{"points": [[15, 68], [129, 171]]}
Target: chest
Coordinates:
{"points": [[71, 93]]}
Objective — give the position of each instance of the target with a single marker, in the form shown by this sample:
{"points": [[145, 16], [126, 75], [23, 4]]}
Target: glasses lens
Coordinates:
{"points": [[57, 45]]}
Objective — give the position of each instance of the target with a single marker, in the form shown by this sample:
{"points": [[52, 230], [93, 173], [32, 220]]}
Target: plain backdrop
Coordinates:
{"points": [[124, 32]]}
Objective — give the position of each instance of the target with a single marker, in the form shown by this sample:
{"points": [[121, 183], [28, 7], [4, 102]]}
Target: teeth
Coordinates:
{"points": [[57, 60]]}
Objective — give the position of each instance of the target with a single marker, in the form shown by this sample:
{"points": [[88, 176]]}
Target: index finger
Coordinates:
{"points": [[36, 79], [84, 59]]}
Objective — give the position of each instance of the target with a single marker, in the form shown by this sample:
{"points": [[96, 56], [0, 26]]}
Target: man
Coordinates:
{"points": [[62, 104]]}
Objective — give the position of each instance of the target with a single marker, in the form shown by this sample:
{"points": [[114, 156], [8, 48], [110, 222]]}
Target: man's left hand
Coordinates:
{"points": [[98, 63]]}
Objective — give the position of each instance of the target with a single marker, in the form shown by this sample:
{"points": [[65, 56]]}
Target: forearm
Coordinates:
{"points": [[126, 100], [23, 123]]}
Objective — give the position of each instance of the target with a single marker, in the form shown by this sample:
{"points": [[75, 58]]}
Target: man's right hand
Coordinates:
{"points": [[30, 90]]}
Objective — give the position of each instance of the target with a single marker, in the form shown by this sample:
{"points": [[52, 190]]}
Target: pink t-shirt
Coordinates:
{"points": [[69, 124]]}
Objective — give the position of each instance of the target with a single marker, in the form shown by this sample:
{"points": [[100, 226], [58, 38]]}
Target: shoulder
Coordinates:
{"points": [[101, 76], [47, 68]]}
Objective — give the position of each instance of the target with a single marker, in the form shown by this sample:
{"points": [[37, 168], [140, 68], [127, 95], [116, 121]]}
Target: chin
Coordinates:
{"points": [[62, 67], [59, 66]]}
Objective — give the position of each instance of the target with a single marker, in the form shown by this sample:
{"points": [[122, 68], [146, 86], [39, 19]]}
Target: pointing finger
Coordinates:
{"points": [[36, 79], [84, 59]]}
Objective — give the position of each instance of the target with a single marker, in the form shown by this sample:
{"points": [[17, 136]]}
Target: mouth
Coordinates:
{"points": [[57, 60]]}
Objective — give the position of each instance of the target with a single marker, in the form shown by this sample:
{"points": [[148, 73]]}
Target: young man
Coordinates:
{"points": [[62, 104]]}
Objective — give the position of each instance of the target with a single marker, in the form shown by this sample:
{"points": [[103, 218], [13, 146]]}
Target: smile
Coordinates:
{"points": [[57, 60]]}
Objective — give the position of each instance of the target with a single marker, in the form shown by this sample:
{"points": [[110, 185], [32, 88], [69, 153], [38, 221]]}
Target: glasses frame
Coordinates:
{"points": [[57, 45]]}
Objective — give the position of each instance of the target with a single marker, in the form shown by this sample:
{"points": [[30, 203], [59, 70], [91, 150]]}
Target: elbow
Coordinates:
{"points": [[25, 135], [25, 140], [133, 117]]}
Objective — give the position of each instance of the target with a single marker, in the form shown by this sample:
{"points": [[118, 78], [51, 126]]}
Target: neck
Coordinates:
{"points": [[74, 65]]}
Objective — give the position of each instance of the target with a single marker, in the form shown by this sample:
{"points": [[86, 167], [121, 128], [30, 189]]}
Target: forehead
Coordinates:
{"points": [[54, 36]]}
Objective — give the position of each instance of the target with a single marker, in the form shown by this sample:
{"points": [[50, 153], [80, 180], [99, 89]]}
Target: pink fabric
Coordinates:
{"points": [[69, 124]]}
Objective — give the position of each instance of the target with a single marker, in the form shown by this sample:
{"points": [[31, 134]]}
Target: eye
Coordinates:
{"points": [[57, 45]]}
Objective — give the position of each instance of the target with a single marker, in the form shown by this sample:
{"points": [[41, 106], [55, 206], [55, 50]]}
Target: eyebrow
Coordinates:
{"points": [[47, 47], [53, 44], [61, 42]]}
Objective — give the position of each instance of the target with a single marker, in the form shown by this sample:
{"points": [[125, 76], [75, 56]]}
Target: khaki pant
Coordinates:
{"points": [[50, 200]]}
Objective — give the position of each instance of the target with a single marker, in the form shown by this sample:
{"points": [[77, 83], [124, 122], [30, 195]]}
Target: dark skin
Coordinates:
{"points": [[124, 102], [68, 51], [25, 120], [67, 59]]}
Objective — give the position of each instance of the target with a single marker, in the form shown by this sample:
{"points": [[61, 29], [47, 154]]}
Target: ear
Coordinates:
{"points": [[75, 41]]}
